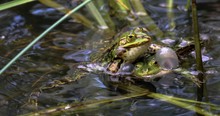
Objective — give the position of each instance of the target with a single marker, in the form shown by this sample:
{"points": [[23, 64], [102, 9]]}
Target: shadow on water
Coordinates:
{"points": [[40, 80]]}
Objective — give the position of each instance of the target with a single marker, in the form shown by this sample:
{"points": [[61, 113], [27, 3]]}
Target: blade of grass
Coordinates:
{"points": [[145, 18], [79, 18], [42, 35], [84, 106], [188, 5], [170, 14], [123, 5], [13, 4], [105, 13], [91, 7], [170, 99], [135, 91], [181, 104], [120, 9]]}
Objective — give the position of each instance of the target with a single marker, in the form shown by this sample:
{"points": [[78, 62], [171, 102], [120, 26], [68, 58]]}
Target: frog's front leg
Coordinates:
{"points": [[154, 77], [124, 69], [189, 75], [161, 74]]}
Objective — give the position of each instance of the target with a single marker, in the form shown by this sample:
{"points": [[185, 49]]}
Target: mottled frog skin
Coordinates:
{"points": [[132, 45], [129, 46], [133, 54]]}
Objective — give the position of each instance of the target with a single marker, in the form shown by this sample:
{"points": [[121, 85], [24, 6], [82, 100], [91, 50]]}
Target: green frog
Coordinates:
{"points": [[133, 44], [133, 54], [128, 47]]}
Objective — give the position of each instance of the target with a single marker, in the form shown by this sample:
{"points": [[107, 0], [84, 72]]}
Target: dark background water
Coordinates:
{"points": [[54, 56]]}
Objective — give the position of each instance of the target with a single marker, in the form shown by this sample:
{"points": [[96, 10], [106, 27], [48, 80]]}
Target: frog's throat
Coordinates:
{"points": [[133, 53]]}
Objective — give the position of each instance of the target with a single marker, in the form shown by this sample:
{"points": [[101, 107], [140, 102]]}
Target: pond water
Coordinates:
{"points": [[41, 79]]}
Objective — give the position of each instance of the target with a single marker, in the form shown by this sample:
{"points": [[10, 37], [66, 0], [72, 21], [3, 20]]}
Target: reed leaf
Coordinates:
{"points": [[145, 18], [105, 14], [13, 4], [199, 63], [93, 10], [173, 100], [170, 14], [77, 16], [42, 35], [83, 106]]}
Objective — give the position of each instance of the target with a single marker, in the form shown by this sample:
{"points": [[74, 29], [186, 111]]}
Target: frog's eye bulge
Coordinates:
{"points": [[145, 30], [138, 29], [141, 29], [131, 37]]}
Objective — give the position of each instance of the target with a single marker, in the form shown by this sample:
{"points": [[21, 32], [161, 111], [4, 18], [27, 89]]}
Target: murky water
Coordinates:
{"points": [[31, 84]]}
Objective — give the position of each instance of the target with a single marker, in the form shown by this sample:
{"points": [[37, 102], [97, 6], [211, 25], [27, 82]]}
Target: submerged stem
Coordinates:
{"points": [[199, 64]]}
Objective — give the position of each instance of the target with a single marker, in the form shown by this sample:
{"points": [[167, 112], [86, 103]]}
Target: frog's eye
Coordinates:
{"points": [[131, 37]]}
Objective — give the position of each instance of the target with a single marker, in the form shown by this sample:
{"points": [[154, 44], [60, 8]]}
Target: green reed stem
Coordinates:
{"points": [[42, 35], [188, 4], [199, 64], [13, 4], [185, 105], [181, 102], [105, 14], [77, 16], [196, 37], [84, 106], [170, 13], [94, 11], [147, 20], [123, 5]]}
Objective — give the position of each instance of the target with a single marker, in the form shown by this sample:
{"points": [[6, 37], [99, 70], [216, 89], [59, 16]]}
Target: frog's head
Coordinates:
{"points": [[133, 44], [135, 37], [147, 67]]}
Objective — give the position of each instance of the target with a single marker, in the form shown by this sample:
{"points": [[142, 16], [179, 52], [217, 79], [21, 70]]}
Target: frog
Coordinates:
{"points": [[133, 45], [128, 47], [133, 54], [147, 66]]}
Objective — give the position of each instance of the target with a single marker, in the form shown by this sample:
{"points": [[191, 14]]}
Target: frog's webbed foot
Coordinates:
{"points": [[93, 67], [192, 76], [125, 70], [151, 78], [79, 71]]}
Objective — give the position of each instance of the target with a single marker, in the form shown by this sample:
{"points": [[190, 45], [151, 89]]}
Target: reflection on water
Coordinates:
{"points": [[13, 28], [40, 76]]}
